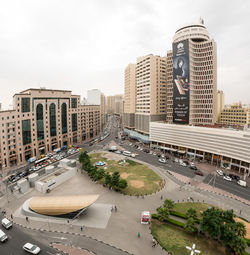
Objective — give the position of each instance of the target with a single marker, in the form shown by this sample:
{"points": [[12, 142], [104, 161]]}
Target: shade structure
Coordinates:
{"points": [[61, 205]]}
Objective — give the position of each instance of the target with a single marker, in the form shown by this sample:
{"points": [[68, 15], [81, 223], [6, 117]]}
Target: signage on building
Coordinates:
{"points": [[181, 82]]}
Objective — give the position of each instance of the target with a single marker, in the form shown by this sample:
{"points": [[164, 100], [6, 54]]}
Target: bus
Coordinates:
{"points": [[41, 160], [127, 153]]}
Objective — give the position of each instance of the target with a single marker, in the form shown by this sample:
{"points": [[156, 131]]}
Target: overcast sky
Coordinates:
{"points": [[79, 45]]}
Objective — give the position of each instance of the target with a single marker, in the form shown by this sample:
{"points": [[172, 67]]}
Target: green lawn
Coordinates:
{"points": [[175, 240], [183, 207], [141, 179]]}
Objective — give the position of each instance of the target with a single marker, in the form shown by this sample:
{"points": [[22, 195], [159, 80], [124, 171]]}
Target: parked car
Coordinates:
{"points": [[198, 172], [176, 160], [162, 160], [219, 172], [6, 223], [192, 164], [183, 164], [242, 183], [31, 248], [227, 178], [193, 167], [154, 154]]}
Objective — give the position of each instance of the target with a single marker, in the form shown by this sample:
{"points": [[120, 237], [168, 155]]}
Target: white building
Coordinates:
{"points": [[219, 146]]}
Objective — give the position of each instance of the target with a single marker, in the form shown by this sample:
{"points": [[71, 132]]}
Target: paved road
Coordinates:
{"points": [[17, 238], [231, 187]]}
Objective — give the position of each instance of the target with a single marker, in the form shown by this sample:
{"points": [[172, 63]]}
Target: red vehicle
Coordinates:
{"points": [[197, 172]]}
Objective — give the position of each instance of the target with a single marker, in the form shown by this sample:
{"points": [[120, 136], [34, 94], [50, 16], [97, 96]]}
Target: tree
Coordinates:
{"points": [[190, 226], [238, 245], [115, 179], [163, 213], [191, 213], [168, 204], [240, 229], [107, 179], [122, 184]]}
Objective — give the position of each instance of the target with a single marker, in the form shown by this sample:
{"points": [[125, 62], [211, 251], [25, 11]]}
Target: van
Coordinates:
{"points": [[242, 183], [6, 223], [127, 153], [3, 236]]}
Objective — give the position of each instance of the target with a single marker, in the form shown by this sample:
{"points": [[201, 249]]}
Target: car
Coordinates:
{"points": [[193, 167], [118, 152], [130, 144], [154, 154], [242, 183], [176, 160], [183, 164], [132, 155], [227, 178], [219, 172], [192, 164], [31, 248], [197, 172], [162, 160]]}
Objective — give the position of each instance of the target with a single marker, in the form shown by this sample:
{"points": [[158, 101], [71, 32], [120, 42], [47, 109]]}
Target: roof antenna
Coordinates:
{"points": [[201, 20]]}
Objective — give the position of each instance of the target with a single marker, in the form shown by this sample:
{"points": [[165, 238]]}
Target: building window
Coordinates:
{"points": [[64, 118], [39, 122], [74, 121], [73, 102], [26, 131], [25, 104], [52, 119]]}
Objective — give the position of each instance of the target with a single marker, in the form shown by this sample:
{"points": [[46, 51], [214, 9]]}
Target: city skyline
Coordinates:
{"points": [[78, 46]]}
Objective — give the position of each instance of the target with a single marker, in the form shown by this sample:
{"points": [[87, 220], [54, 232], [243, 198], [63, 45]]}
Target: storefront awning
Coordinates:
{"points": [[42, 148]]}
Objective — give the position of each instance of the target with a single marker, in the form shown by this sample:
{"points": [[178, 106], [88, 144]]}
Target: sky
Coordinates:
{"points": [[84, 44]]}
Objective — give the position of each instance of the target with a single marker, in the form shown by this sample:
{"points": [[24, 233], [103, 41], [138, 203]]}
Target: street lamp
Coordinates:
{"points": [[193, 250]]}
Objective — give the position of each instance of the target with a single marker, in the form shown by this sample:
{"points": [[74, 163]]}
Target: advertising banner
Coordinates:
{"points": [[181, 83]]}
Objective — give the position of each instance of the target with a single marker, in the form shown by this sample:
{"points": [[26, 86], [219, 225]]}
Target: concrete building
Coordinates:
{"points": [[150, 91], [114, 104], [129, 96], [194, 83], [220, 103], [43, 120], [222, 147], [96, 97], [235, 115]]}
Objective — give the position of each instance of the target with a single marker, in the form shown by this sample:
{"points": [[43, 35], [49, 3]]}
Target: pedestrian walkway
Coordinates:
{"points": [[70, 249]]}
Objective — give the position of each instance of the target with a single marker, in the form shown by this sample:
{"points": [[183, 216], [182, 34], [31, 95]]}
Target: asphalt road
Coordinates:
{"points": [[17, 238]]}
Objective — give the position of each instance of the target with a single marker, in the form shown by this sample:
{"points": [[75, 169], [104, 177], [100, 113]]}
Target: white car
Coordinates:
{"points": [[31, 248], [132, 155], [154, 154], [219, 172], [183, 164], [162, 160], [176, 160], [118, 152], [227, 178], [192, 164]]}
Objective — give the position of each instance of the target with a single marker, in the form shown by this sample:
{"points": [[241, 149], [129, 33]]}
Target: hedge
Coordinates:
{"points": [[248, 241], [178, 214], [172, 221]]}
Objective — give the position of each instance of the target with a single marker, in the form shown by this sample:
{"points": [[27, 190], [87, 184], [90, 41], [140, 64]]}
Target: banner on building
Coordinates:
{"points": [[181, 82]]}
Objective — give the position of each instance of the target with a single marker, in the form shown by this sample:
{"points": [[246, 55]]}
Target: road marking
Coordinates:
{"points": [[59, 237], [49, 253]]}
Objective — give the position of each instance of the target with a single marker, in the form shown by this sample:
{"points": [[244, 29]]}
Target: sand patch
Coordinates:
{"points": [[125, 175], [247, 224], [136, 184]]}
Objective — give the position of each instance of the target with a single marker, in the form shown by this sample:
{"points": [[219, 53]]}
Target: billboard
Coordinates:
{"points": [[181, 82]]}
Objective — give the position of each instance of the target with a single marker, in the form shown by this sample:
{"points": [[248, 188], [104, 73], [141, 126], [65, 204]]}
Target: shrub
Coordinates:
{"points": [[178, 214], [122, 184], [176, 222]]}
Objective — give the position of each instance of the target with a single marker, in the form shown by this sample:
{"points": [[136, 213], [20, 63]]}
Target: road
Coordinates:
{"points": [[17, 238]]}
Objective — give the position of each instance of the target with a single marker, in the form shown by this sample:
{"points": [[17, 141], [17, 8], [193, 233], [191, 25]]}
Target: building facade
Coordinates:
{"points": [[220, 103], [129, 96], [222, 147], [235, 115], [150, 91], [114, 104], [195, 81], [43, 120]]}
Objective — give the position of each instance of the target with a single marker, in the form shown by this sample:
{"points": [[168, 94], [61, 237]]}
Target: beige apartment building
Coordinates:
{"points": [[43, 120], [220, 103], [200, 82], [129, 96], [150, 91], [114, 104], [235, 115]]}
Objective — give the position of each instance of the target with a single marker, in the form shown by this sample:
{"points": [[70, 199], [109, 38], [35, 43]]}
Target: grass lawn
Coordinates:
{"points": [[183, 207], [175, 240], [141, 179]]}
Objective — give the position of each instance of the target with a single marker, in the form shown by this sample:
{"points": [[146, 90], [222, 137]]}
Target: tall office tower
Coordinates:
{"points": [[169, 89], [150, 91], [194, 72], [96, 97], [220, 103], [129, 96], [114, 104]]}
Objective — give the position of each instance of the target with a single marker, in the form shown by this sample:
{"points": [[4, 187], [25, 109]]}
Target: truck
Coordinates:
{"points": [[145, 217]]}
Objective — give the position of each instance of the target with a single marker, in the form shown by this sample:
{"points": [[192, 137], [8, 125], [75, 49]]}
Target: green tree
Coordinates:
{"points": [[115, 179], [168, 204], [240, 229], [122, 184], [190, 226], [238, 245], [163, 213], [107, 179], [191, 213]]}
